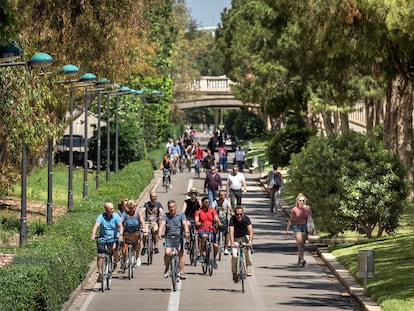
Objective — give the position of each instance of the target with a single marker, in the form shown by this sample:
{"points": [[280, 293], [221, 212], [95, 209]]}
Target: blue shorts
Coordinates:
{"points": [[176, 241], [299, 228], [210, 234]]}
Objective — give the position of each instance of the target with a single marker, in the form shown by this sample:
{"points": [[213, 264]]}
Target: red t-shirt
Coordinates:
{"points": [[206, 219]]}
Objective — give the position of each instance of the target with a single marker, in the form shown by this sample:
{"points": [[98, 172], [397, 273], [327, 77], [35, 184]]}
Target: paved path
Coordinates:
{"points": [[277, 282]]}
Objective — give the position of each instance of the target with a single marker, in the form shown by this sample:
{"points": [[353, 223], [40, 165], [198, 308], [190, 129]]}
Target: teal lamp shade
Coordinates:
{"points": [[125, 89], [139, 92], [9, 53], [88, 77], [70, 70], [156, 92], [41, 60], [103, 81]]}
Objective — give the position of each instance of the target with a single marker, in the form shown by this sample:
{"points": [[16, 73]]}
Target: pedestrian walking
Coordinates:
{"points": [[275, 182], [212, 183], [240, 158], [236, 186], [298, 220]]}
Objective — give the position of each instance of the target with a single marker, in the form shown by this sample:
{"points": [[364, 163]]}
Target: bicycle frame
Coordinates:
{"points": [[149, 246], [207, 265], [106, 267], [131, 260], [174, 265], [166, 179]]}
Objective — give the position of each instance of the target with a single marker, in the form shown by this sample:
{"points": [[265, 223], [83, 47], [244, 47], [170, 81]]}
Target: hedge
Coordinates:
{"points": [[46, 271]]}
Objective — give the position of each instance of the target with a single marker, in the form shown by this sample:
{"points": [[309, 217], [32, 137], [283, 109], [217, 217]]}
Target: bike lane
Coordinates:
{"points": [[277, 282]]}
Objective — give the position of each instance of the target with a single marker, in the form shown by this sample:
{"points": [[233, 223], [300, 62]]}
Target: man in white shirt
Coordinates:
{"points": [[236, 186]]}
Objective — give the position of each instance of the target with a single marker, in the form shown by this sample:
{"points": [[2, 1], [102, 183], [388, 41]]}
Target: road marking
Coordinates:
{"points": [[174, 299]]}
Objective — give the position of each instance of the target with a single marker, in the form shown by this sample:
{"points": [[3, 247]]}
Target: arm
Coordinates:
{"points": [[217, 219], [250, 231], [121, 230], [161, 229], [95, 227], [244, 186], [231, 232], [184, 207], [197, 219], [186, 229], [142, 222], [291, 219]]}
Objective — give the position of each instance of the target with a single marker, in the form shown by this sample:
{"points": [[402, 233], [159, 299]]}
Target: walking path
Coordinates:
{"points": [[277, 281]]}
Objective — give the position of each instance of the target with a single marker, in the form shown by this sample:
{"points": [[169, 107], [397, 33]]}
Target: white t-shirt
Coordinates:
{"points": [[236, 182]]}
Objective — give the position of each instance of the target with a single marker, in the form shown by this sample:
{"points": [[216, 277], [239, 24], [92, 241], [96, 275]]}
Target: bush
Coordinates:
{"points": [[352, 182], [288, 141], [45, 272]]}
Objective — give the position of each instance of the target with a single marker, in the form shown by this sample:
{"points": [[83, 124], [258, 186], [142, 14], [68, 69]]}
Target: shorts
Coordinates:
{"points": [[105, 248], [153, 224], [299, 228], [210, 234], [176, 241], [132, 237]]}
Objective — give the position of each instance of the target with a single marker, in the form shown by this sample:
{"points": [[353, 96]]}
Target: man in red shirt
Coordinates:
{"points": [[204, 220]]}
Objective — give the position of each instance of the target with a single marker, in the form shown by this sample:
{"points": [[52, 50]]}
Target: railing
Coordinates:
{"points": [[220, 83], [358, 116]]}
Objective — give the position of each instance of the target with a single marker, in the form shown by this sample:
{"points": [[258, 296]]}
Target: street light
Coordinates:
{"points": [[125, 90], [70, 70], [87, 77], [7, 55]]}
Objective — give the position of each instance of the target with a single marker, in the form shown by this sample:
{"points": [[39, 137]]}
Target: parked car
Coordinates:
{"points": [[61, 150]]}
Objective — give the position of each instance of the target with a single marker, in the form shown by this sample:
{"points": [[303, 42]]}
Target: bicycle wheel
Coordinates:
{"points": [[190, 251], [104, 272], [131, 257], [109, 276], [210, 259], [242, 272], [204, 264], [149, 248], [173, 271], [221, 245]]}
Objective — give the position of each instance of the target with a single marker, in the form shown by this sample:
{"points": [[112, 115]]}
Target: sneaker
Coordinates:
{"points": [[123, 267], [183, 276], [303, 263], [99, 278], [235, 278], [226, 252], [137, 263], [166, 274], [144, 249], [156, 250], [201, 258], [215, 266], [249, 271]]}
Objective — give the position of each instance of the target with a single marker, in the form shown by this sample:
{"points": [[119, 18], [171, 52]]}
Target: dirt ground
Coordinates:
{"points": [[35, 211]]}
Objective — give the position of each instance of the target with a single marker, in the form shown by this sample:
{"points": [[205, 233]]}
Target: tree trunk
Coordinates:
{"points": [[369, 115], [398, 123], [327, 122], [344, 122]]}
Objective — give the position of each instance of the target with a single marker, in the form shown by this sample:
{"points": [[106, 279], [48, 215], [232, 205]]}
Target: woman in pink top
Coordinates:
{"points": [[298, 217]]}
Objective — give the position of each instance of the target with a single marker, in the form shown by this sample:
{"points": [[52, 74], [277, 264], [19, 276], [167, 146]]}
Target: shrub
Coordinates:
{"points": [[46, 271], [352, 182]]}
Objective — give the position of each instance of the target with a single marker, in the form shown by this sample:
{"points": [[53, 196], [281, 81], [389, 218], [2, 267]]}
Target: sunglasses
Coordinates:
{"points": [[239, 214], [301, 200]]}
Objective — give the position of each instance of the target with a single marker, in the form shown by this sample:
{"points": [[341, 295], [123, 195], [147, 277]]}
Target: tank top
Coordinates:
{"points": [[131, 223], [192, 207]]}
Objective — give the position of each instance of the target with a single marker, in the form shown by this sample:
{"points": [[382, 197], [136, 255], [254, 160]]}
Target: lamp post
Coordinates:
{"points": [[101, 84], [39, 60], [87, 77], [70, 70], [125, 90]]}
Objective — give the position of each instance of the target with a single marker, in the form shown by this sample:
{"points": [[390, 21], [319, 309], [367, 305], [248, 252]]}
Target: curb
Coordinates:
{"points": [[340, 272]]}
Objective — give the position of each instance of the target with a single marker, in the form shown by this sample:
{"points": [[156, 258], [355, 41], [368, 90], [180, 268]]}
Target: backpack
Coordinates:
{"points": [[276, 181]]}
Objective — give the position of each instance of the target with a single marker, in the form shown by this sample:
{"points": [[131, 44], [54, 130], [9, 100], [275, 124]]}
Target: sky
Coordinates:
{"points": [[207, 12]]}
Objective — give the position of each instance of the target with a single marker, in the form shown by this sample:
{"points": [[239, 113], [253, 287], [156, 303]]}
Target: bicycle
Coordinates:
{"points": [[182, 165], [197, 168], [106, 267], [241, 265], [174, 262], [166, 179], [220, 244], [149, 245], [192, 247], [207, 264]]}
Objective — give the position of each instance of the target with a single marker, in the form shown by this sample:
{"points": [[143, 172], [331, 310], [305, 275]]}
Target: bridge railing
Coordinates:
{"points": [[213, 84]]}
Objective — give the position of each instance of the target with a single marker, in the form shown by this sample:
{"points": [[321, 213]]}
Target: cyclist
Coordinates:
{"points": [[198, 153], [223, 209], [152, 213], [190, 206], [241, 231], [175, 153], [167, 165], [204, 220], [174, 223], [122, 206], [133, 223], [110, 230]]}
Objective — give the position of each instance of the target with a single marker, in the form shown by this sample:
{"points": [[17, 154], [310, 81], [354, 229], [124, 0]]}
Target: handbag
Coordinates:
{"points": [[310, 225]]}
